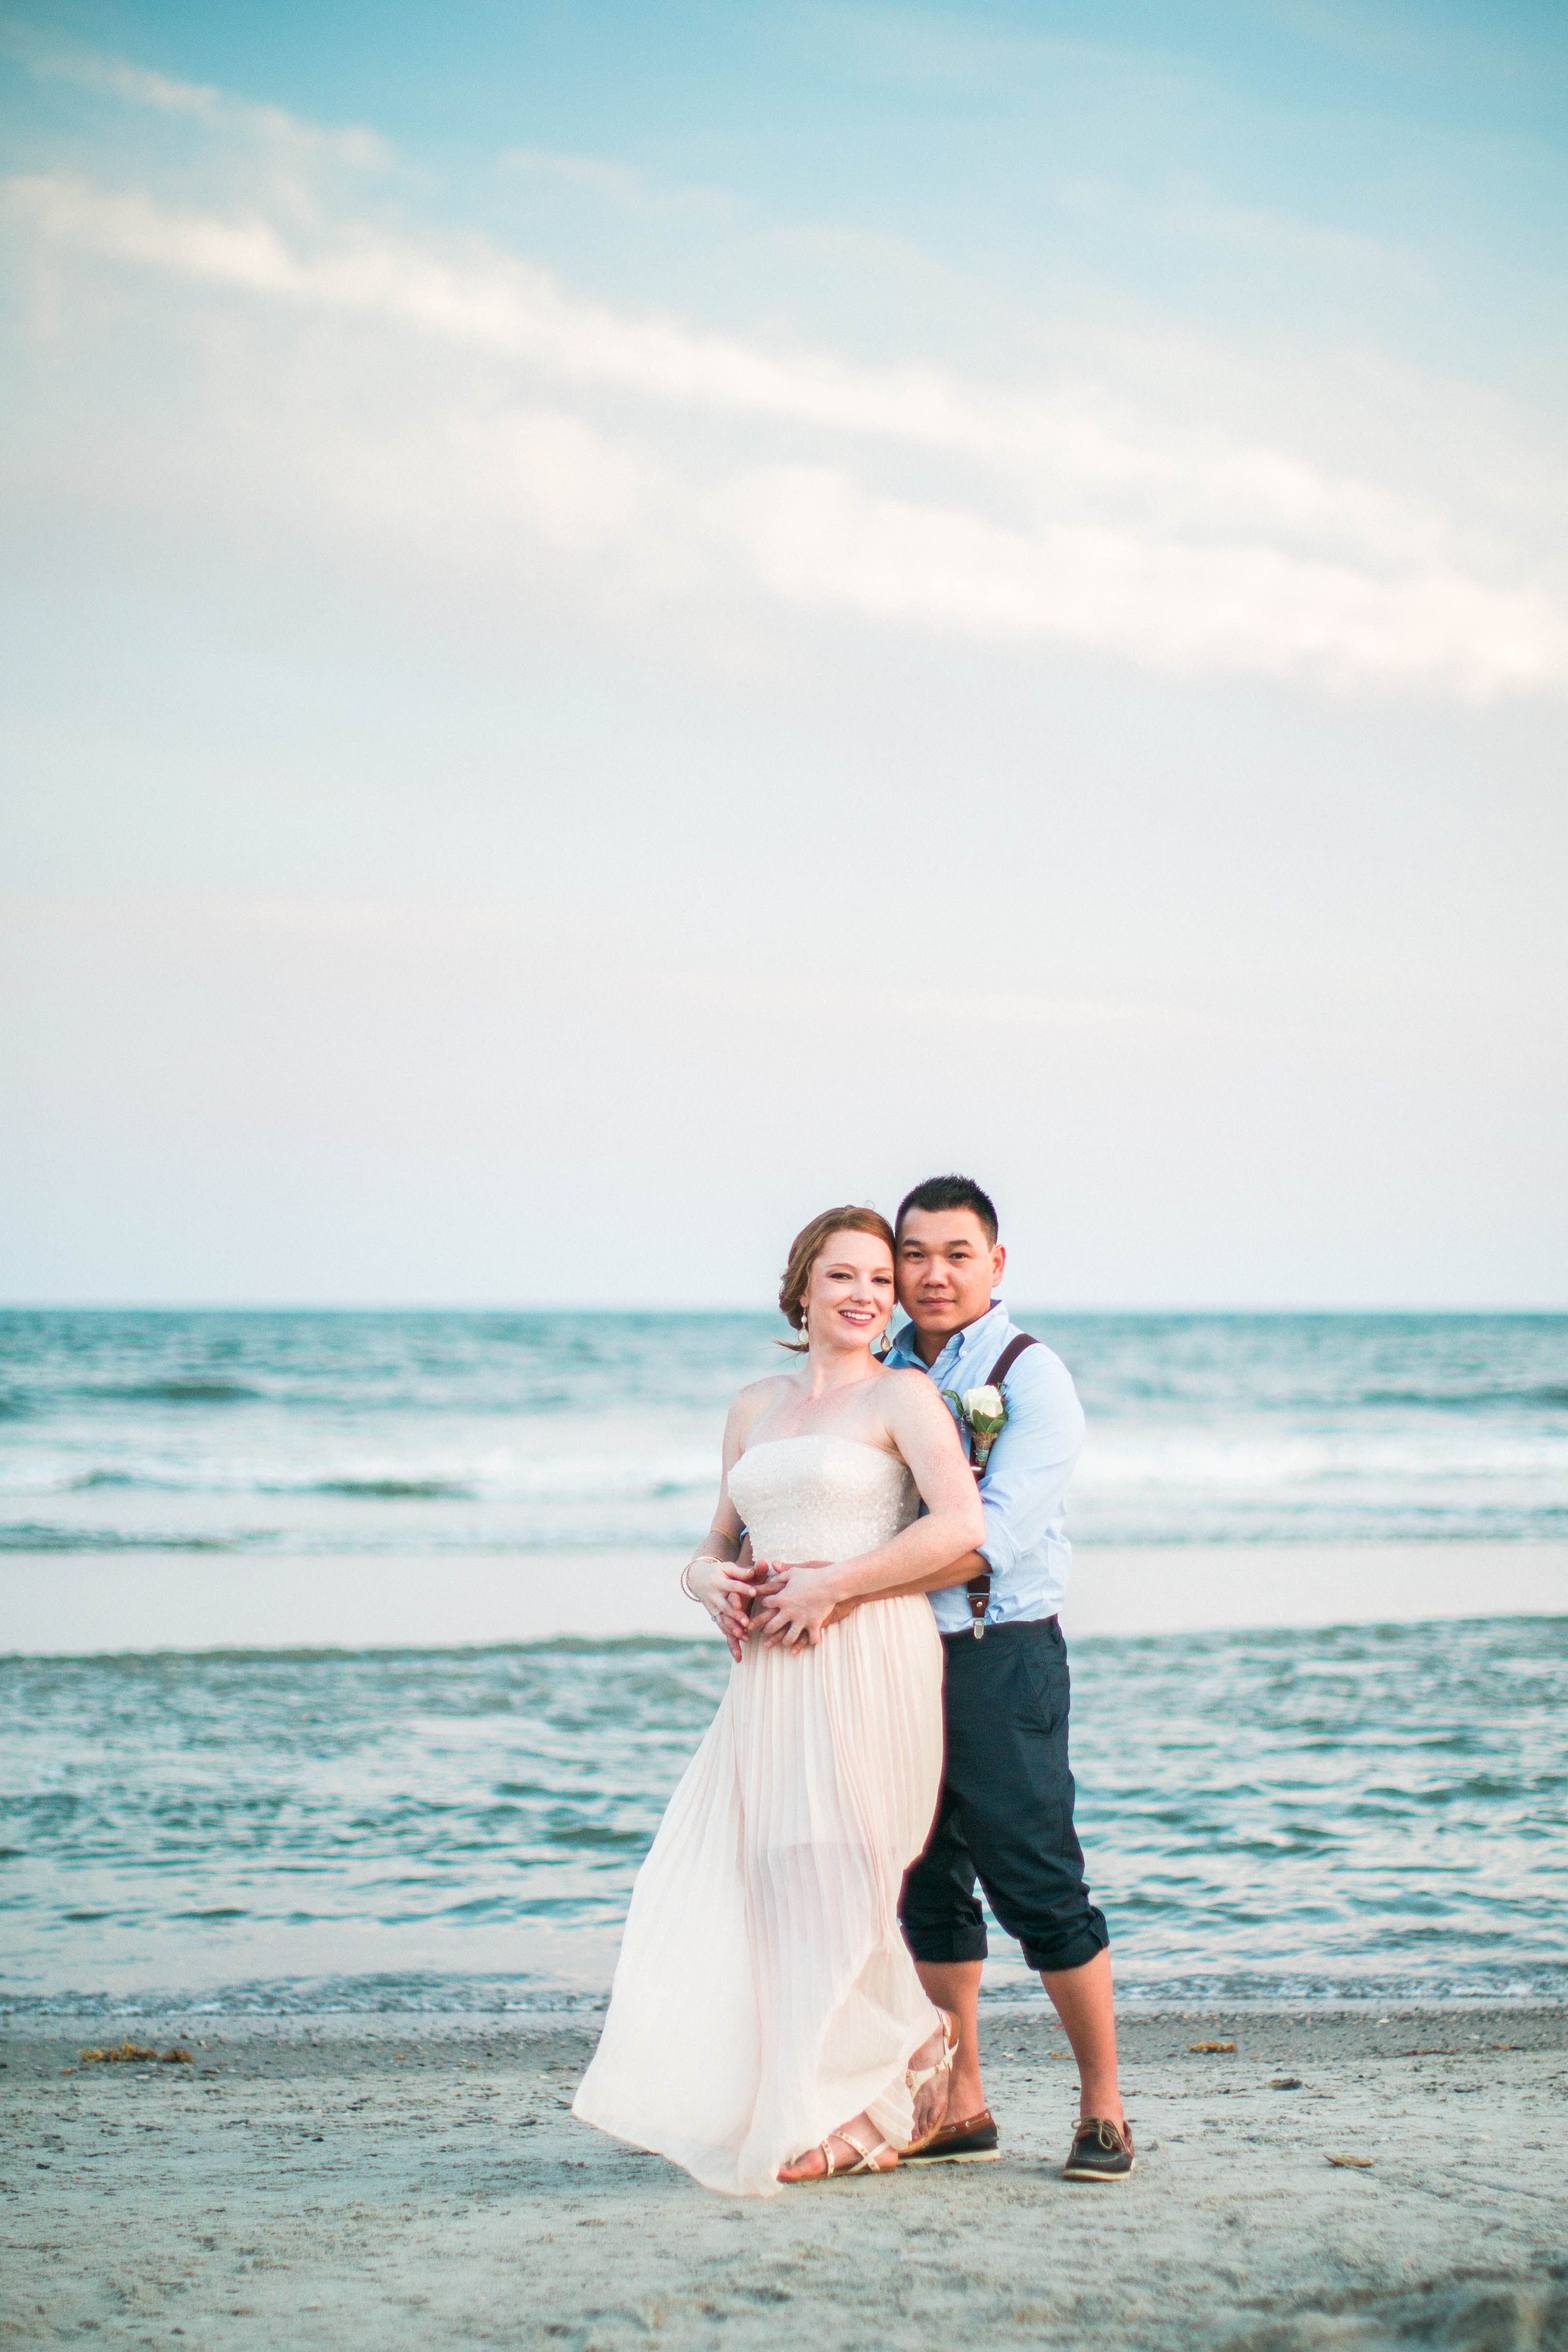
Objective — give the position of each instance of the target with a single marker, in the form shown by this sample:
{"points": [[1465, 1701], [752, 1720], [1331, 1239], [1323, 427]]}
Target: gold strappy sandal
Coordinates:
{"points": [[867, 2160], [917, 2077]]}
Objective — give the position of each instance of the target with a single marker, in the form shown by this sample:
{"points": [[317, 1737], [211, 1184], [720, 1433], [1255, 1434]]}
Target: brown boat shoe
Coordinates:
{"points": [[1100, 2150], [971, 2141]]}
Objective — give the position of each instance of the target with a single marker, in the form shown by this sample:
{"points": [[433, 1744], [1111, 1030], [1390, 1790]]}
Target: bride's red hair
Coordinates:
{"points": [[807, 1247]]}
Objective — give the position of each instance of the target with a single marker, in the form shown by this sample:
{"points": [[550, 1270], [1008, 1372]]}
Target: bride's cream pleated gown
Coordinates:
{"points": [[763, 1994]]}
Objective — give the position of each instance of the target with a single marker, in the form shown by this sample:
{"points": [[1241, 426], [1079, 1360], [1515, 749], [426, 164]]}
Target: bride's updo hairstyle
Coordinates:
{"points": [[807, 1247]]}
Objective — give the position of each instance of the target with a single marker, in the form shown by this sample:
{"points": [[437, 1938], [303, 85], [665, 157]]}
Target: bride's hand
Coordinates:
{"points": [[724, 1587], [770, 1583], [798, 1601]]}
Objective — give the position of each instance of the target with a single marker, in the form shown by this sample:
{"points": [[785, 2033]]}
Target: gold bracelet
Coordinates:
{"points": [[707, 1561]]}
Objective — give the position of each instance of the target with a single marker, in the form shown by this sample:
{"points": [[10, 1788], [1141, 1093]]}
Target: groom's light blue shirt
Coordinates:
{"points": [[1025, 1487]]}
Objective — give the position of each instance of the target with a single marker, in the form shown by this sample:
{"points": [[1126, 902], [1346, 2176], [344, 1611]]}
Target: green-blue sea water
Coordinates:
{"points": [[1355, 1813], [1368, 1813], [378, 1432]]}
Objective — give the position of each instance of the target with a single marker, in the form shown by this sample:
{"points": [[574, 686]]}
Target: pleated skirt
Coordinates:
{"points": [[763, 1994]]}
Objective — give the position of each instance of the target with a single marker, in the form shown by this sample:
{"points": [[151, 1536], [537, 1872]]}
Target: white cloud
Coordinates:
{"points": [[1070, 513], [136, 85], [1247, 608], [133, 85]]}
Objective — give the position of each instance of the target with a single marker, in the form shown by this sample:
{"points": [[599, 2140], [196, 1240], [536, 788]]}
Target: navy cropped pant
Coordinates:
{"points": [[1005, 1813]]}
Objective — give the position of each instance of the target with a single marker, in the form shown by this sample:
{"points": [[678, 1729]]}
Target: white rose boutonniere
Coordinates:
{"points": [[983, 1413]]}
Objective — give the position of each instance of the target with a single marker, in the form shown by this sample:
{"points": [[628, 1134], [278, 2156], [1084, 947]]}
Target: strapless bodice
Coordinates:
{"points": [[821, 1497]]}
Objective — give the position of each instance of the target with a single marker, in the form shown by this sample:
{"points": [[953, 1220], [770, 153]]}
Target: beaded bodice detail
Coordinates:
{"points": [[821, 1497]]}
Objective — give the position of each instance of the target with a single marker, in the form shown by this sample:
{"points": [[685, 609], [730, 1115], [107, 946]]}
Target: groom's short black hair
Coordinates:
{"points": [[951, 1192]]}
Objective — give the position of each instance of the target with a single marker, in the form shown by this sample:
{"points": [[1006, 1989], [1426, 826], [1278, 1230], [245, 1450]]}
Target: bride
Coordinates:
{"points": [[766, 2023]]}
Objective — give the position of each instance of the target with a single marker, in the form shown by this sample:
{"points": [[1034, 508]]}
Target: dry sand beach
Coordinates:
{"points": [[418, 2182]]}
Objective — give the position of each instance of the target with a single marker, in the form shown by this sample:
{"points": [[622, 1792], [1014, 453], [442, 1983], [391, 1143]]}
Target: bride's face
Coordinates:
{"points": [[850, 1295]]}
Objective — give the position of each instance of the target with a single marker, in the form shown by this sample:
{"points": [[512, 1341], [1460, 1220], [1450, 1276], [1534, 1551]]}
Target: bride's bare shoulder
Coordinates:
{"points": [[748, 1406], [911, 1398]]}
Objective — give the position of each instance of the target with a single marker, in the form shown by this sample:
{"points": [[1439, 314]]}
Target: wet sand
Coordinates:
{"points": [[56, 1604], [399, 2181]]}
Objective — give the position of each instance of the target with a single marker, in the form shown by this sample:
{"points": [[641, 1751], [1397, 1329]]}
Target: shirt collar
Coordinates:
{"points": [[984, 1326]]}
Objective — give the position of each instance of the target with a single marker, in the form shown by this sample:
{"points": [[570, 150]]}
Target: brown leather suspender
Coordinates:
{"points": [[978, 1587]]}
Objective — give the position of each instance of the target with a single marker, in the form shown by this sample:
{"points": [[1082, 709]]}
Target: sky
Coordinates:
{"points": [[621, 622]]}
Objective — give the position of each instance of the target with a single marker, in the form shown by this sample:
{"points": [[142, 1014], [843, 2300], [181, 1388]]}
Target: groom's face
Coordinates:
{"points": [[947, 1269]]}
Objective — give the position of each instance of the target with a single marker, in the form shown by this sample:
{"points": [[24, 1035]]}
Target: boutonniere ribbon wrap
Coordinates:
{"points": [[984, 1413]]}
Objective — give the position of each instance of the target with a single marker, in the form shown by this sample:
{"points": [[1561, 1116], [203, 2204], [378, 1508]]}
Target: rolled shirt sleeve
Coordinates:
{"points": [[1025, 1487]]}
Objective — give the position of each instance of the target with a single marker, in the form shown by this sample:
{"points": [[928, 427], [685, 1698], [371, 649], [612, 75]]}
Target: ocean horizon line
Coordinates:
{"points": [[1394, 1311]]}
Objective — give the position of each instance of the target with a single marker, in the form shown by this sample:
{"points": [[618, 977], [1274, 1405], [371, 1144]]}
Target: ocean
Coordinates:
{"points": [[548, 1433], [1369, 1812]]}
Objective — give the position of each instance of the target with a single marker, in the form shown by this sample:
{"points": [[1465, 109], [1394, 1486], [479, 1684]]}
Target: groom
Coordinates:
{"points": [[1004, 1815]]}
